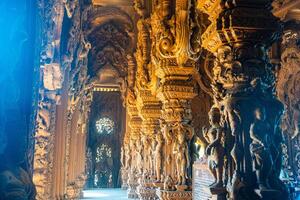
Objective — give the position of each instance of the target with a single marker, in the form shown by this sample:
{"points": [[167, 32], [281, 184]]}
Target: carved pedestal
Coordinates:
{"points": [[124, 186], [132, 186], [124, 174], [174, 195], [147, 191], [132, 191]]}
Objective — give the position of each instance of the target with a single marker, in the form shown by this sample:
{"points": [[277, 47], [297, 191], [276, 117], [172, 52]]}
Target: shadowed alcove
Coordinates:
{"points": [[105, 137]]}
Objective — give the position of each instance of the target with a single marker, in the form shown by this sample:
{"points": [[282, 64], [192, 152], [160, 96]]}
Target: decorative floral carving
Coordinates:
{"points": [[176, 35]]}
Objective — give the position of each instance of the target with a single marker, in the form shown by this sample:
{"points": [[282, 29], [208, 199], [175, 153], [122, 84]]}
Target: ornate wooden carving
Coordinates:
{"points": [[289, 94], [242, 83], [52, 76]]}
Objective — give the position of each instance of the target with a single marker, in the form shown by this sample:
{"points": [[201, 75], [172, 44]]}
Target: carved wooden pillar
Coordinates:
{"points": [[289, 94], [134, 159], [243, 82], [51, 74], [125, 159], [150, 111], [176, 44], [176, 93], [43, 147]]}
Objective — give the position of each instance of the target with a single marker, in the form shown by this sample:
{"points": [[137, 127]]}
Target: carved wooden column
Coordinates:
{"points": [[75, 160], [176, 93], [289, 94], [79, 101], [243, 82], [148, 105], [134, 159], [125, 158], [150, 111], [176, 44], [51, 75]]}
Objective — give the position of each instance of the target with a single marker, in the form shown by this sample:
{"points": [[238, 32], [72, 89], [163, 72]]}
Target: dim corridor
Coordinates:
{"points": [[104, 194]]}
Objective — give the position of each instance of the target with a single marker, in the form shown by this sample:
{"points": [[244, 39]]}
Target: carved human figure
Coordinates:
{"points": [[147, 152], [152, 159], [181, 150], [139, 163], [259, 148], [122, 157], [168, 134], [127, 157], [158, 156], [215, 149]]}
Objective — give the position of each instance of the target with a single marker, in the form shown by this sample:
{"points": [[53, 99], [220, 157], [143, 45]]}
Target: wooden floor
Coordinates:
{"points": [[105, 194]]}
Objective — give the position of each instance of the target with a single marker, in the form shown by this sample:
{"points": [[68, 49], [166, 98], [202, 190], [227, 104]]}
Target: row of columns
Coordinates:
{"points": [[244, 137]]}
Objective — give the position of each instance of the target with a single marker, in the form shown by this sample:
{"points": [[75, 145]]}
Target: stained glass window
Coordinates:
{"points": [[104, 125]]}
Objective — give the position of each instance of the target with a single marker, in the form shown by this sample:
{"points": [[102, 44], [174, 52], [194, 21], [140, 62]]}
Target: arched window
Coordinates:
{"points": [[104, 126]]}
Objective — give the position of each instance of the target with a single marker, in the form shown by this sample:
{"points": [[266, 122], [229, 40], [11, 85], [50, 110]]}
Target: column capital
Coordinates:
{"points": [[238, 24]]}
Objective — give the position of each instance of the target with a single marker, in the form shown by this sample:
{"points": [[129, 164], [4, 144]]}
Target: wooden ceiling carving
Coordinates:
{"points": [[110, 45], [110, 32]]}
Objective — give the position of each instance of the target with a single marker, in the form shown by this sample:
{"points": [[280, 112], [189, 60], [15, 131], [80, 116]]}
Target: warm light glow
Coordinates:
{"points": [[105, 89]]}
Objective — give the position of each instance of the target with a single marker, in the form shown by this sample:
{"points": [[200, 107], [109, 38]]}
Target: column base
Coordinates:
{"points": [[124, 186], [147, 192], [125, 176], [174, 195], [132, 191]]}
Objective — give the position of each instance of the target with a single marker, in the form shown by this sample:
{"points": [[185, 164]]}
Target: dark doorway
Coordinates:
{"points": [[106, 129]]}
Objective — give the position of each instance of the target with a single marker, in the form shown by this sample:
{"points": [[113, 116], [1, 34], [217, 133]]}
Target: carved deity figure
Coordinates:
{"points": [[139, 156], [215, 149], [122, 157], [259, 148], [158, 156], [181, 150], [147, 152], [127, 156], [152, 159], [168, 134]]}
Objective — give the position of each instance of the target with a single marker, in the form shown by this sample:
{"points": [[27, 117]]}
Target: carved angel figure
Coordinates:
{"points": [[215, 149]]}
